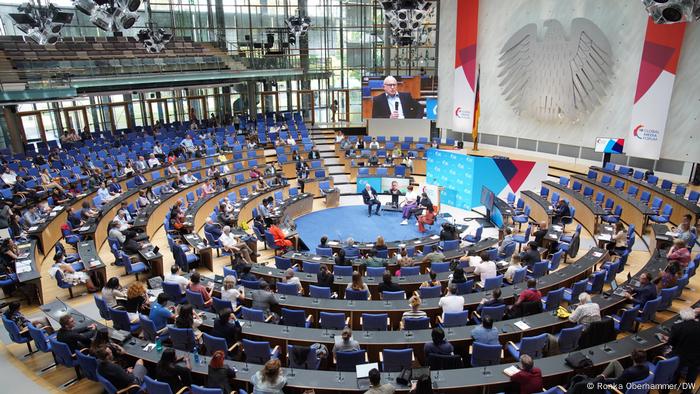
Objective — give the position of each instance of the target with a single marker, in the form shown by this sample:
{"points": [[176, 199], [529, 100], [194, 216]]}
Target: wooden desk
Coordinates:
{"points": [[587, 213], [540, 209]]}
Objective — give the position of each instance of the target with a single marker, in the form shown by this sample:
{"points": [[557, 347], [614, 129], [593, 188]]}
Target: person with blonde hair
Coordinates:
{"points": [[358, 285], [415, 312], [230, 291], [269, 380]]}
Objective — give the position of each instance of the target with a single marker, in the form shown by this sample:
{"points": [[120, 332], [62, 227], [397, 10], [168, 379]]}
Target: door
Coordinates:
{"points": [[340, 106], [32, 126], [158, 110], [75, 118]]}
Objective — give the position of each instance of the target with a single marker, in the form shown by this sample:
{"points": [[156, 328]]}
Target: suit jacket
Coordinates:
{"points": [[685, 340], [75, 339], [411, 108], [213, 229], [314, 155], [115, 375], [227, 330], [644, 293], [365, 195]]}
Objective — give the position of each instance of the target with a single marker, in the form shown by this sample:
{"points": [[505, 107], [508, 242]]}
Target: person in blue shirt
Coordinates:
{"points": [[115, 187], [160, 315], [485, 333], [438, 345]]}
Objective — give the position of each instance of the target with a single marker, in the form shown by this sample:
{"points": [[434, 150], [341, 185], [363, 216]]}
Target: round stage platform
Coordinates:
{"points": [[352, 221]]}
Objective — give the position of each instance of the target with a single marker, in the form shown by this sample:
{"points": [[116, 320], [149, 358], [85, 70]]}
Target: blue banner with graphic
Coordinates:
{"points": [[431, 108]]}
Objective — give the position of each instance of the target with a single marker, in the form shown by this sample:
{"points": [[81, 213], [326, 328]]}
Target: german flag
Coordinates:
{"points": [[475, 125]]}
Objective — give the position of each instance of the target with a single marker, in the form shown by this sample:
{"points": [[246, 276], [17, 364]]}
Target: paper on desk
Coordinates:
{"points": [[316, 258], [84, 228], [512, 370], [369, 245], [557, 227], [597, 254], [521, 325], [332, 243], [605, 237], [57, 208], [435, 237], [670, 233]]}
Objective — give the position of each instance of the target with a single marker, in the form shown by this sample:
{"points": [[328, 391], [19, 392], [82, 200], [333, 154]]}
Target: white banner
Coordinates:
{"points": [[648, 122], [463, 101]]}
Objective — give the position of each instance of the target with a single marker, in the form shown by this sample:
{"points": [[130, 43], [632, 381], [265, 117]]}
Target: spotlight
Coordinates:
{"points": [[154, 40], [672, 11], [298, 26], [41, 24], [110, 15], [405, 18]]}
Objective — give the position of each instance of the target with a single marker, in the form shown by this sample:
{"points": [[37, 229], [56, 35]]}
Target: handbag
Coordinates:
{"points": [[578, 360], [404, 377]]}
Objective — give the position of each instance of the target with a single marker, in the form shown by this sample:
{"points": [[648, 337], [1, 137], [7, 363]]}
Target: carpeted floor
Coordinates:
{"points": [[352, 221]]}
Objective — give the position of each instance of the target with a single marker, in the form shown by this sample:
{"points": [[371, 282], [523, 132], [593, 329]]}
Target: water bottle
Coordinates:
{"points": [[159, 345], [195, 353]]}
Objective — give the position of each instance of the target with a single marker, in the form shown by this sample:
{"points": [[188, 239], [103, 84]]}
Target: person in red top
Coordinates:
{"points": [[199, 288], [531, 294], [255, 173], [528, 378], [428, 218], [678, 252], [280, 239]]}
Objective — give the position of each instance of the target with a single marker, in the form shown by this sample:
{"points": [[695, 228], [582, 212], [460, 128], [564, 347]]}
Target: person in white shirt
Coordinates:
{"points": [[141, 164], [291, 279], [157, 149], [121, 221], [408, 162], [153, 161], [172, 170], [104, 193], [174, 277], [9, 177], [232, 244], [230, 292], [473, 261], [290, 141], [451, 302], [409, 203], [374, 144], [512, 267], [487, 268], [189, 178], [587, 312]]}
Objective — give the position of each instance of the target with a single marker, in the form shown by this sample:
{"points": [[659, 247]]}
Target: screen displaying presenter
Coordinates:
{"points": [[393, 104]]}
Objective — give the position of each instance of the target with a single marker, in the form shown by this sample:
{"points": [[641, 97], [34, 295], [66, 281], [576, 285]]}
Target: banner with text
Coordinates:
{"points": [[465, 65], [657, 72]]}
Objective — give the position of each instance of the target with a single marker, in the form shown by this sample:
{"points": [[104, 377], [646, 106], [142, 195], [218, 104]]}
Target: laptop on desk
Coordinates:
{"points": [[362, 370]]}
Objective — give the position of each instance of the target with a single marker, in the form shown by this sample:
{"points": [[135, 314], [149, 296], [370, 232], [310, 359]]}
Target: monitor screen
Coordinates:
{"points": [[487, 198], [609, 145]]}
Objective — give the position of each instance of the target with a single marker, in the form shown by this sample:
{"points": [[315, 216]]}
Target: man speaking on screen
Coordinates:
{"points": [[395, 105]]}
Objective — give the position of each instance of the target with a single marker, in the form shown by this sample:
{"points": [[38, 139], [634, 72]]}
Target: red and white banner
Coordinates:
{"points": [[662, 48], [465, 65]]}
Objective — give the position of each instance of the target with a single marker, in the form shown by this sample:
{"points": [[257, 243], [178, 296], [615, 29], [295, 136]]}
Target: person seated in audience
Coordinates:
{"points": [[60, 196], [618, 244], [244, 272], [668, 277], [374, 144], [280, 239], [70, 275], [427, 218], [530, 255], [438, 345], [415, 313], [269, 379], [105, 194], [615, 374], [291, 279], [513, 266], [531, 294], [540, 234], [373, 159], [495, 300], [32, 217], [8, 176], [188, 318], [345, 342], [586, 312], [379, 244], [224, 217], [358, 285], [121, 221], [102, 340], [226, 326], [396, 152], [685, 230], [432, 281], [645, 292], [290, 141], [189, 179], [263, 300], [219, 374], [142, 202], [323, 242], [562, 210], [76, 339], [48, 182], [188, 145], [160, 314], [451, 302], [324, 278], [119, 377], [369, 197], [528, 378], [340, 259], [175, 277], [485, 270], [375, 384], [371, 259], [231, 292], [114, 187], [255, 173], [177, 218], [168, 370], [457, 276], [387, 284], [87, 212], [112, 293], [235, 245], [684, 340], [486, 333], [173, 170], [679, 253], [403, 260], [449, 232], [137, 299], [435, 255], [350, 247], [407, 162], [153, 161], [13, 314], [196, 286], [208, 188]]}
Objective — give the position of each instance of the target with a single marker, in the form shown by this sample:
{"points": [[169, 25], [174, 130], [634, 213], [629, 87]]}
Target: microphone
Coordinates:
{"points": [[396, 105]]}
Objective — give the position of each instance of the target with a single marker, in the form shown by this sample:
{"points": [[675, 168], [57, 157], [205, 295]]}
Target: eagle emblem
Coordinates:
{"points": [[556, 77]]}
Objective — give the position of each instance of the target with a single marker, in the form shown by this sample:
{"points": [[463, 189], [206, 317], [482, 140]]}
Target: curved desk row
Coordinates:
{"points": [[540, 209], [633, 211], [563, 277], [681, 206], [587, 212]]}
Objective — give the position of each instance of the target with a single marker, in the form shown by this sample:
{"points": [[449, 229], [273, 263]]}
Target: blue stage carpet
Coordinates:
{"points": [[352, 221]]}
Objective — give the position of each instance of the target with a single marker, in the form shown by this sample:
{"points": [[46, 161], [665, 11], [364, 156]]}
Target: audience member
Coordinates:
{"points": [[269, 380], [197, 287], [586, 312], [345, 342], [75, 338], [485, 333], [645, 292], [619, 376], [415, 313], [168, 370], [219, 374], [451, 302], [529, 377], [119, 377], [438, 345], [375, 384]]}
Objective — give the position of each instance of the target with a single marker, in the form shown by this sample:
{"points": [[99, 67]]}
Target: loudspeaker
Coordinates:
{"points": [[696, 174], [460, 144]]}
